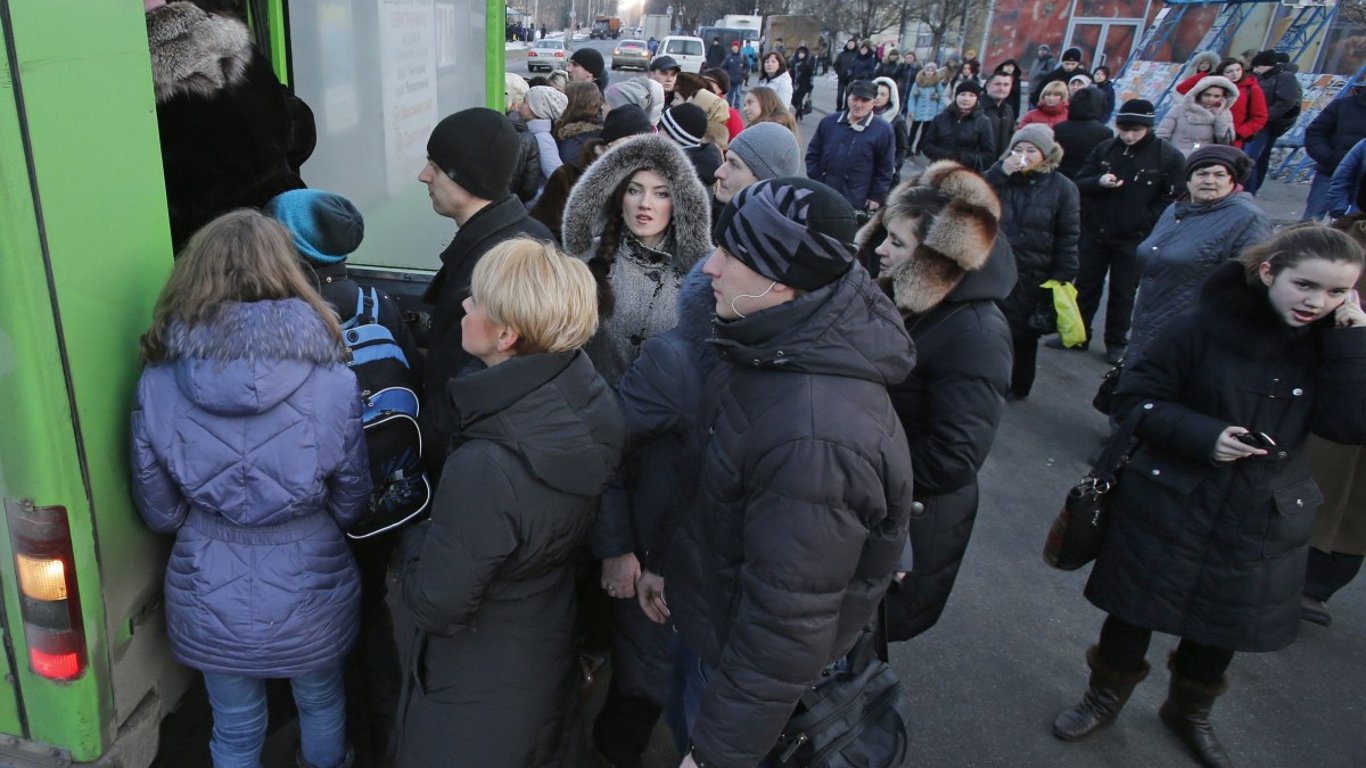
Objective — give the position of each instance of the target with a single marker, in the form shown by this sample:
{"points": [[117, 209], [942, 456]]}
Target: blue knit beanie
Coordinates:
{"points": [[325, 227]]}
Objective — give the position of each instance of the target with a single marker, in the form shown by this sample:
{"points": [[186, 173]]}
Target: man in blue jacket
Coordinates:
{"points": [[1327, 140], [854, 152]]}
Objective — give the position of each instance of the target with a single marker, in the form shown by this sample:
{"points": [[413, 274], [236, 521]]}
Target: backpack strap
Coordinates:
{"points": [[369, 304]]}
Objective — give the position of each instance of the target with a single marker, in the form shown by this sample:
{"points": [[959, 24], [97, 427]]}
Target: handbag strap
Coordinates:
{"points": [[1116, 452]]}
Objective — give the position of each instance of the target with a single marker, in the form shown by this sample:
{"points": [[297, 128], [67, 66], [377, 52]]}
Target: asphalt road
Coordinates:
{"points": [[1008, 654]]}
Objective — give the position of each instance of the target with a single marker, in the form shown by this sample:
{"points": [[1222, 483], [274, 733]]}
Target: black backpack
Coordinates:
{"points": [[389, 415]]}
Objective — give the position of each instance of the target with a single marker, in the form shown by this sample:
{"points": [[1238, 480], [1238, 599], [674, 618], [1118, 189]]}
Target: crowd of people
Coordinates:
{"points": [[681, 407]]}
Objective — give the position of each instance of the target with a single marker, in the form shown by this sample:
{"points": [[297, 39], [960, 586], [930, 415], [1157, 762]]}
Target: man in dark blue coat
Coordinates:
{"points": [[854, 152], [1327, 140], [804, 493]]}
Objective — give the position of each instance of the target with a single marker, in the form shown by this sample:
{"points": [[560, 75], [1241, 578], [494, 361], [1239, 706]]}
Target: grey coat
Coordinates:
{"points": [[1189, 241], [247, 444]]}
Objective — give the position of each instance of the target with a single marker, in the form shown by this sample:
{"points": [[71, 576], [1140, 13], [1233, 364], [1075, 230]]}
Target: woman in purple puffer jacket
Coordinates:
{"points": [[247, 444]]}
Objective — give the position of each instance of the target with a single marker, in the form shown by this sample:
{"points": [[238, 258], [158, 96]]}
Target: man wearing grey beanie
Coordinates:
{"points": [[762, 151]]}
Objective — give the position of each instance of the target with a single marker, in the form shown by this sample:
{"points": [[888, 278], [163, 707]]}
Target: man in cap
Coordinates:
{"points": [[686, 125], [1126, 183], [664, 70], [1071, 66], [800, 515], [470, 159], [854, 151], [1283, 96], [586, 65], [761, 151]]}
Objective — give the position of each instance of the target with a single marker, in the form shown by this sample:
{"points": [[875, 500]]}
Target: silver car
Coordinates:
{"points": [[546, 54], [631, 53]]}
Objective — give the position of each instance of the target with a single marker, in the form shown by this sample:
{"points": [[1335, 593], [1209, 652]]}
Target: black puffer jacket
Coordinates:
{"points": [[1283, 99], [1040, 217], [527, 178], [969, 139], [496, 223], [1336, 130], [802, 506], [951, 404], [1002, 116], [1154, 175], [489, 579], [1082, 131], [1215, 552]]}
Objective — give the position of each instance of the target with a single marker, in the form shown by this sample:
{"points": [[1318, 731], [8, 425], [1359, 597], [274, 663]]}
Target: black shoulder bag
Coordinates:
{"points": [[1075, 537]]}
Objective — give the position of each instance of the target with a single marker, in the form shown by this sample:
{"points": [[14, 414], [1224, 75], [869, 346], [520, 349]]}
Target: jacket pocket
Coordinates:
{"points": [[1292, 518], [1158, 490]]}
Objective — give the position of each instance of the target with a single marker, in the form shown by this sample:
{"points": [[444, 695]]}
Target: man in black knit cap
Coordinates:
{"points": [[1071, 65], [586, 65], [799, 519], [470, 159]]}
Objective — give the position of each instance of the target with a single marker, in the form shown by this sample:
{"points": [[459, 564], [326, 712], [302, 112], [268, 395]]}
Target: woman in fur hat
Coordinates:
{"points": [[1203, 117], [641, 219], [935, 248], [1041, 217]]}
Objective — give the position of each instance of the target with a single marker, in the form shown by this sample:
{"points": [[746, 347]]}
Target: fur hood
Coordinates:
{"points": [[927, 80], [586, 213], [1086, 104], [570, 130], [1192, 97], [894, 104], [1209, 57], [959, 241], [195, 53]]}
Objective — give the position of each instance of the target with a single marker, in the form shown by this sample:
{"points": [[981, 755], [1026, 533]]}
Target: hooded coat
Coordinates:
{"points": [[1283, 95], [1190, 123], [1188, 243], [637, 286], [951, 404], [1215, 552], [1041, 217], [927, 94], [1014, 98], [1248, 112], [968, 139], [1082, 131], [231, 135], [801, 509], [489, 580], [892, 114], [247, 445]]}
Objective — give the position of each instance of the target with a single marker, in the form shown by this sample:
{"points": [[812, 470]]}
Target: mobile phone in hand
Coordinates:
{"points": [[1256, 440]]}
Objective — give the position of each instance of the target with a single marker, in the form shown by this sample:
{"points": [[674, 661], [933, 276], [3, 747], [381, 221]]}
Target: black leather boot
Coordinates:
{"points": [[1186, 712], [1106, 695]]}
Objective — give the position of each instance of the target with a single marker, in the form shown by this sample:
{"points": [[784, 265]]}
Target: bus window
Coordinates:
{"points": [[379, 76]]}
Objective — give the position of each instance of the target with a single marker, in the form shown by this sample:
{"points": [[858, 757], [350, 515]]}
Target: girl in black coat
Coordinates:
{"points": [[936, 249], [1041, 217], [488, 580], [1213, 514]]}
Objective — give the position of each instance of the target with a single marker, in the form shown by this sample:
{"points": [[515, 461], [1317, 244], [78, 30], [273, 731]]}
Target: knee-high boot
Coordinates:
{"points": [[1186, 712], [1109, 690]]}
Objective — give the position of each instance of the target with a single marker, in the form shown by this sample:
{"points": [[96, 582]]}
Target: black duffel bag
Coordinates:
{"points": [[856, 717]]}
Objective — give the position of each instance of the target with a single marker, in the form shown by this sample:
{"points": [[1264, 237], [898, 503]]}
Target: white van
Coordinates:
{"points": [[687, 51]]}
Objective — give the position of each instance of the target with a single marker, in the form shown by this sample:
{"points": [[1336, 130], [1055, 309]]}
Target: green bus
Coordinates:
{"points": [[84, 249]]}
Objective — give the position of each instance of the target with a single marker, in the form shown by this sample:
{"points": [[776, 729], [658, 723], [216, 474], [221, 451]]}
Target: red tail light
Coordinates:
{"points": [[49, 600]]}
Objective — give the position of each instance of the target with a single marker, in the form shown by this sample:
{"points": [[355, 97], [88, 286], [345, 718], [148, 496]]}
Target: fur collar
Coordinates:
{"points": [[1192, 98], [286, 329], [925, 79], [959, 241], [195, 53], [569, 130], [586, 212]]}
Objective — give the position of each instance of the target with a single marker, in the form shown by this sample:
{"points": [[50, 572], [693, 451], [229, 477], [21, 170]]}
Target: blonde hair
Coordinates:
{"points": [[549, 299], [241, 256], [1058, 87]]}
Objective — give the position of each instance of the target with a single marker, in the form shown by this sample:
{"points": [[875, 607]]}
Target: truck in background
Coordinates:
{"points": [[655, 25], [743, 21], [794, 30], [605, 27]]}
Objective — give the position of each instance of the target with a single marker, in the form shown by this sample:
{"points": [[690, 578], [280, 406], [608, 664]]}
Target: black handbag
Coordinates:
{"points": [[1044, 319], [1104, 401], [858, 717], [1075, 537]]}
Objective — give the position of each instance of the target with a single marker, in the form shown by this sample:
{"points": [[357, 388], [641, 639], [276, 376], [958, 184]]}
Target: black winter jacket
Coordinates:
{"points": [[1040, 218], [969, 139], [527, 178], [489, 579], [801, 510], [1153, 172], [1216, 552], [844, 64], [1082, 131], [1283, 99], [1336, 130], [1002, 116], [497, 222]]}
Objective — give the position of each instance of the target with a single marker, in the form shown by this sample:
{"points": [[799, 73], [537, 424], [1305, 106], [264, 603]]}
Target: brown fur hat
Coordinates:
{"points": [[958, 241]]}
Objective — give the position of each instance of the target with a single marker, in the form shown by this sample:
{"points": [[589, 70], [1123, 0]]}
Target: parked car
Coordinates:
{"points": [[631, 53], [548, 55], [689, 52]]}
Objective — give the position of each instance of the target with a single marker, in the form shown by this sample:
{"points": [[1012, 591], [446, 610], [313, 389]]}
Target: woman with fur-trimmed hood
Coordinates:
{"points": [[1204, 116], [641, 219], [936, 250], [231, 135]]}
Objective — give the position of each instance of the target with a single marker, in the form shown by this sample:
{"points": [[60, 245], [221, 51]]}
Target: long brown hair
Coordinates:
{"points": [[773, 110], [240, 256], [585, 105], [1297, 243]]}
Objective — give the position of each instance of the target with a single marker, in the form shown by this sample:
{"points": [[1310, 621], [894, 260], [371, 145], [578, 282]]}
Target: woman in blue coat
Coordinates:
{"points": [[247, 444], [1212, 515]]}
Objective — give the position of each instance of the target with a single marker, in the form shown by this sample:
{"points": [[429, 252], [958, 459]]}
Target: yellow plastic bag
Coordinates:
{"points": [[1071, 329]]}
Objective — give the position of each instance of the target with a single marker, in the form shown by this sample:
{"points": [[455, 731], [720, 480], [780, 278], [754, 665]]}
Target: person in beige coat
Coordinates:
{"points": [[1202, 117], [693, 88], [1337, 546]]}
